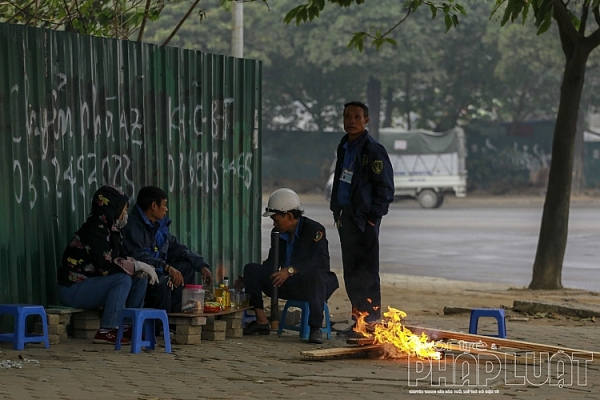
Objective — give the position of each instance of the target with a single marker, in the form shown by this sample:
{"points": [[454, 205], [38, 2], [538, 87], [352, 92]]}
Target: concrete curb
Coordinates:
{"points": [[561, 309]]}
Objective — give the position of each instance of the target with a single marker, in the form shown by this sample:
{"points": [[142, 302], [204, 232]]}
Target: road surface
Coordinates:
{"points": [[473, 239]]}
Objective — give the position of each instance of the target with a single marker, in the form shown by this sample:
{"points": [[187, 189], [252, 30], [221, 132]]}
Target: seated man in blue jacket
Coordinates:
{"points": [[147, 239], [304, 272]]}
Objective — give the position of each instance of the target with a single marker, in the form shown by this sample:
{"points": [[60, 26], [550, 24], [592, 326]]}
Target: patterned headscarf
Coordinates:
{"points": [[108, 201]]}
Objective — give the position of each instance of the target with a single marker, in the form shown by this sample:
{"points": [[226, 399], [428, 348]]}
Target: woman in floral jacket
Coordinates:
{"points": [[94, 271]]}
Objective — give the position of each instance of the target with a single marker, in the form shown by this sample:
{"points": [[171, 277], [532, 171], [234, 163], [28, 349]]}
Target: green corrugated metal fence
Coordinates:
{"points": [[77, 112]]}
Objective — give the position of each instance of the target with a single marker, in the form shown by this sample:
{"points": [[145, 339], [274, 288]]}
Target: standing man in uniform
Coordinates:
{"points": [[363, 188], [303, 272]]}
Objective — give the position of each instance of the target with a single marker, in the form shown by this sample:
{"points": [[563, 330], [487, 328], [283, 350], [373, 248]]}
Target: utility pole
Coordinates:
{"points": [[237, 33]]}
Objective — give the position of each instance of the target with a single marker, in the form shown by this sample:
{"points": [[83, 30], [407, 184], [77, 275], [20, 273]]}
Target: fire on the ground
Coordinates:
{"points": [[398, 340]]}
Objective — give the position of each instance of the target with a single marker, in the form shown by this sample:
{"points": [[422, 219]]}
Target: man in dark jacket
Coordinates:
{"points": [[304, 272], [147, 238], [363, 188]]}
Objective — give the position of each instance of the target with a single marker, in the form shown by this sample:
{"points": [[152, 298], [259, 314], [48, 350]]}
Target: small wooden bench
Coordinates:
{"points": [[191, 328], [83, 324]]}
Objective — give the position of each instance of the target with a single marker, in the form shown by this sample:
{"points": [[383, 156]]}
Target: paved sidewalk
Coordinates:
{"points": [[271, 367]]}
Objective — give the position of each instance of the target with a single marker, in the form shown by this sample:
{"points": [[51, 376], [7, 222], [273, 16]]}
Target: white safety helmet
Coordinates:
{"points": [[282, 201]]}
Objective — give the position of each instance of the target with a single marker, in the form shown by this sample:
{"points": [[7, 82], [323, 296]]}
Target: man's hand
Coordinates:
{"points": [[176, 276], [239, 284], [279, 277], [206, 276]]}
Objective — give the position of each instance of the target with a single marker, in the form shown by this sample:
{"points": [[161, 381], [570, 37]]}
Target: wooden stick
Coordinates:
{"points": [[340, 351], [491, 343], [274, 294], [437, 334], [499, 354]]}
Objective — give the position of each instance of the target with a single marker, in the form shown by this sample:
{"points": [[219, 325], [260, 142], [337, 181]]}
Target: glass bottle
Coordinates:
{"points": [[226, 294]]}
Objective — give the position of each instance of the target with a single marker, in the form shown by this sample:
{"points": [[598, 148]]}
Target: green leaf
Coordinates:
{"points": [[448, 22], [358, 41], [433, 11], [546, 23]]}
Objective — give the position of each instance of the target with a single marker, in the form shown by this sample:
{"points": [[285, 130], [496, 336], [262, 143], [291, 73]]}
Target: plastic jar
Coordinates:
{"points": [[192, 299]]}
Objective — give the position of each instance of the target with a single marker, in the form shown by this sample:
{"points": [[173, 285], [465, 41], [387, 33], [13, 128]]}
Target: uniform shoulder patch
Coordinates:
{"points": [[318, 236], [377, 166]]}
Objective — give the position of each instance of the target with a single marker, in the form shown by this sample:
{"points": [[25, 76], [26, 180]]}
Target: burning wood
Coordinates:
{"points": [[394, 340], [399, 341]]}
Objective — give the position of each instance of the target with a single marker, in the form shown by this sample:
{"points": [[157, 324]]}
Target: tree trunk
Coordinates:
{"points": [[578, 174], [389, 107], [547, 268], [374, 102], [407, 80]]}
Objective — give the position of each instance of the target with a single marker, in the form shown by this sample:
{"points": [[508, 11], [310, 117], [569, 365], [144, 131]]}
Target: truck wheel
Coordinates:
{"points": [[440, 200], [428, 199]]}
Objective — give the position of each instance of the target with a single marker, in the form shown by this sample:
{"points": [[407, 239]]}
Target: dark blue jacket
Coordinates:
{"points": [[311, 251], [139, 239], [372, 187]]}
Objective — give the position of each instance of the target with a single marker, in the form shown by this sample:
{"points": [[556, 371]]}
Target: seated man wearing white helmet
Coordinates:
{"points": [[304, 272]]}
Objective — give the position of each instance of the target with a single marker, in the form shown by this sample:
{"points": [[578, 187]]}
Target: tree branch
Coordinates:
{"points": [[25, 7], [563, 19], [584, 16], [68, 13], [398, 24], [143, 26], [80, 16], [593, 40], [30, 15], [167, 40]]}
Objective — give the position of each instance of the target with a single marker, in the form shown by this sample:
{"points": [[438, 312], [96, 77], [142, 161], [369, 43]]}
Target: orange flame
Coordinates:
{"points": [[399, 340]]}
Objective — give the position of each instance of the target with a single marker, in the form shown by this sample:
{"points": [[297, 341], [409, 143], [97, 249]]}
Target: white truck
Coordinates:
{"points": [[427, 165]]}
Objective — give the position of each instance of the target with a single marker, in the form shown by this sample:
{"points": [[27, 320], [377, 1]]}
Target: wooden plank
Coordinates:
{"points": [[462, 348], [437, 334], [501, 355], [491, 343], [340, 351], [60, 310]]}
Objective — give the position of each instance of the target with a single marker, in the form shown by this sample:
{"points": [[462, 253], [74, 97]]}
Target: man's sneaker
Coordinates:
{"points": [[315, 336], [254, 328], [108, 336]]}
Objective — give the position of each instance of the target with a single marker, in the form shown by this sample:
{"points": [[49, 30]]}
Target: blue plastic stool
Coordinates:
{"points": [[497, 313], [20, 313], [304, 329], [247, 318], [143, 326]]}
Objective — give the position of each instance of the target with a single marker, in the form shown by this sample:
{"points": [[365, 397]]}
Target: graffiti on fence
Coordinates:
{"points": [[58, 133]]}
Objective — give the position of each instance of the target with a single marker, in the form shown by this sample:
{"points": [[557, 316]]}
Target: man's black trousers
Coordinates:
{"points": [[360, 258], [310, 286], [162, 297]]}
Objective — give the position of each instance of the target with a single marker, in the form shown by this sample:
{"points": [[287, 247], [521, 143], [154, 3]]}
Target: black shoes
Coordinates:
{"points": [[254, 328], [346, 332], [351, 334], [315, 336]]}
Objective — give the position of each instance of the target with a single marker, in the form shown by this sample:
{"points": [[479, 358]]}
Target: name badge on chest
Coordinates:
{"points": [[346, 175]]}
